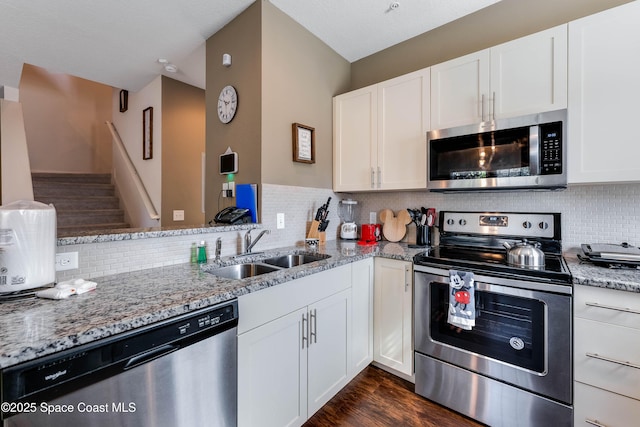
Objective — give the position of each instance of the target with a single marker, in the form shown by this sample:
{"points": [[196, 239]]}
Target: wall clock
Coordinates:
{"points": [[227, 104]]}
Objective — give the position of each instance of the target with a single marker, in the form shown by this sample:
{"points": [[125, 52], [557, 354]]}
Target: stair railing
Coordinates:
{"points": [[133, 173]]}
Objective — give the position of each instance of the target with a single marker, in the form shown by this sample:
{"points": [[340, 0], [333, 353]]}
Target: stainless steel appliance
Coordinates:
{"points": [[527, 152], [180, 372], [514, 366]]}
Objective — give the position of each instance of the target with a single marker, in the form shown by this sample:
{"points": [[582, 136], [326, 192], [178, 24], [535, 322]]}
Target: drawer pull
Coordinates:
{"points": [[608, 359], [594, 422], [609, 307]]}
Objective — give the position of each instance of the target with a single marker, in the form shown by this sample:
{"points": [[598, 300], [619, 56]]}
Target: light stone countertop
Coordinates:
{"points": [[589, 274], [119, 235], [37, 327]]}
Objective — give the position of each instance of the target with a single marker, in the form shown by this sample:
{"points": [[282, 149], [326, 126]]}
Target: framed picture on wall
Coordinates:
{"points": [[147, 133], [303, 143], [124, 100]]}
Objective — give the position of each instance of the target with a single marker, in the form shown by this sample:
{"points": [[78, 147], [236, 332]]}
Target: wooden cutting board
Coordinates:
{"points": [[394, 227]]}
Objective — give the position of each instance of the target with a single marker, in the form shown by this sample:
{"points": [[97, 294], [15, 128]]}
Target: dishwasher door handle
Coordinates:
{"points": [[150, 355]]}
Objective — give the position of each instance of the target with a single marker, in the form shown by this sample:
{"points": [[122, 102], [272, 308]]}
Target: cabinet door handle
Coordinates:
{"points": [[407, 278], [493, 106], [373, 178], [313, 326], [610, 307], [594, 422], [305, 326], [482, 108], [608, 359]]}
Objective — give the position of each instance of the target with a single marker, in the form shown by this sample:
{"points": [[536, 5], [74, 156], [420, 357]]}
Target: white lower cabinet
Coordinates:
{"points": [[293, 348], [361, 316], [392, 315], [606, 357], [272, 373]]}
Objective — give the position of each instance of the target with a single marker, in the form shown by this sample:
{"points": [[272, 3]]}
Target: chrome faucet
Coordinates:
{"points": [[248, 244], [218, 248]]}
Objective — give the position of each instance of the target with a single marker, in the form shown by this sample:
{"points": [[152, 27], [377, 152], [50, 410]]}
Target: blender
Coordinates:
{"points": [[347, 210]]}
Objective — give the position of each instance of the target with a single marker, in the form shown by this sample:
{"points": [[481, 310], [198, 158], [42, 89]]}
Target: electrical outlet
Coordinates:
{"points": [[232, 189], [178, 215], [66, 261], [372, 217], [225, 189], [280, 221]]}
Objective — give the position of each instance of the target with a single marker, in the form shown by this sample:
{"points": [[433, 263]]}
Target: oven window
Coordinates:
{"points": [[509, 329], [496, 154]]}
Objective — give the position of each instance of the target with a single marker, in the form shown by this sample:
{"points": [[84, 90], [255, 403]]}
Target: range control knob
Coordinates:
{"points": [[526, 224], [543, 225], [450, 221], [462, 222]]}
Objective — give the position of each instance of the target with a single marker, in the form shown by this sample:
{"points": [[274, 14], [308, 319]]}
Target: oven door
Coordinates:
{"points": [[522, 336]]}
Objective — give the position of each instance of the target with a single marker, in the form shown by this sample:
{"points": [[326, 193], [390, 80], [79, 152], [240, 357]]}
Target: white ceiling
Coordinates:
{"points": [[118, 42]]}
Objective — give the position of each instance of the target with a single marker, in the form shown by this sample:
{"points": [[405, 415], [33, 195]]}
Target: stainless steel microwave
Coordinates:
{"points": [[527, 152]]}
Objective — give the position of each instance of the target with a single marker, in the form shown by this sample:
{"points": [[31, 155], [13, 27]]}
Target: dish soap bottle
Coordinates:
{"points": [[194, 253], [202, 253]]}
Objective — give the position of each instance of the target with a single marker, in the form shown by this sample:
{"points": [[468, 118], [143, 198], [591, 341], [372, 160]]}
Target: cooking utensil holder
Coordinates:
{"points": [[423, 235]]}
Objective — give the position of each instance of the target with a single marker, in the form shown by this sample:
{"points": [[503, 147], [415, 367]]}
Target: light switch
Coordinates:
{"points": [[280, 221]]}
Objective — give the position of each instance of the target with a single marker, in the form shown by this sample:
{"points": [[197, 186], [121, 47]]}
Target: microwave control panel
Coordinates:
{"points": [[551, 148]]}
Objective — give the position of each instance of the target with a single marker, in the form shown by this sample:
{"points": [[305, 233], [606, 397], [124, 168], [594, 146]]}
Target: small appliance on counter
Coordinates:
{"points": [[370, 234], [27, 246], [348, 212], [608, 255]]}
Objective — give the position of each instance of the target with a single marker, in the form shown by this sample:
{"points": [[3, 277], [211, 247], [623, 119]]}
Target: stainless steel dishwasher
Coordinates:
{"points": [[179, 372]]}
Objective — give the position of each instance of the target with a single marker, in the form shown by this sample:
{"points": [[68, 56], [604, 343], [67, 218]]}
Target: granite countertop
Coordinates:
{"points": [[37, 327], [589, 274]]}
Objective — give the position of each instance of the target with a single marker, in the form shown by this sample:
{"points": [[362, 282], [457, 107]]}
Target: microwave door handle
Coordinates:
{"points": [[534, 150]]}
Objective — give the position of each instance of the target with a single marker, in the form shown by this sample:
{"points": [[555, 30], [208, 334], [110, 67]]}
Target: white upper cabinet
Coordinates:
{"points": [[604, 91], [355, 139], [380, 135], [458, 90], [524, 76]]}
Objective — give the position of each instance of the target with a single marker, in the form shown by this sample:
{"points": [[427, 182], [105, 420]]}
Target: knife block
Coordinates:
{"points": [[315, 234], [313, 230]]}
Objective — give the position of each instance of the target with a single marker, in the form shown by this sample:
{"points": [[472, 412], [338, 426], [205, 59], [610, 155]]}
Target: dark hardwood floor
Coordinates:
{"points": [[377, 398]]}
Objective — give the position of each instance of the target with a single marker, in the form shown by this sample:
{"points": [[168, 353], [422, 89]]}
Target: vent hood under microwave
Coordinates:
{"points": [[520, 153]]}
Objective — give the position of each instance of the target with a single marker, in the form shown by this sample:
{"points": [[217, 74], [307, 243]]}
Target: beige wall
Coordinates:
{"points": [[70, 112], [499, 23], [300, 75], [129, 127], [15, 180], [283, 74], [183, 142], [241, 38]]}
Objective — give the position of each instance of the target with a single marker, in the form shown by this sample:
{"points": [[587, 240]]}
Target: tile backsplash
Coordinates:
{"points": [[590, 214]]}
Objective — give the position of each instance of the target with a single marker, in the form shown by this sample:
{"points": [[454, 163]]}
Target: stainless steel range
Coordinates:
{"points": [[493, 334]]}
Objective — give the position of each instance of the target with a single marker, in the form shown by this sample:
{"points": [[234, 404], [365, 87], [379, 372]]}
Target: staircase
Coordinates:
{"points": [[84, 203]]}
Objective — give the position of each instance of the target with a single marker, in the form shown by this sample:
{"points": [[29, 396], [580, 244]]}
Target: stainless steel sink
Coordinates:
{"points": [[242, 271], [292, 260]]}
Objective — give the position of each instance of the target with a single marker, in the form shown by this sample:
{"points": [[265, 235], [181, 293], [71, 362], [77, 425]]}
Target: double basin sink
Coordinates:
{"points": [[268, 265]]}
